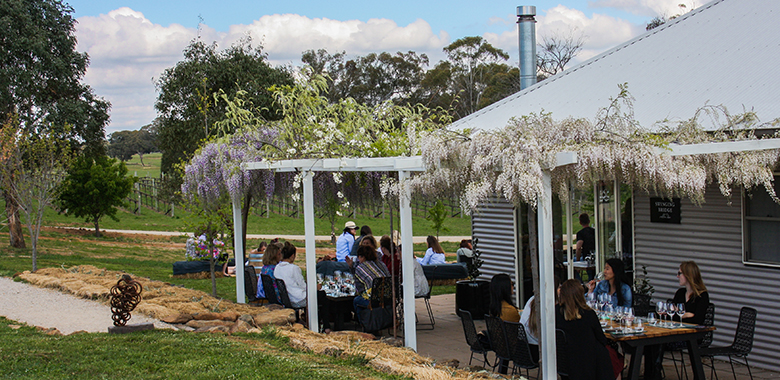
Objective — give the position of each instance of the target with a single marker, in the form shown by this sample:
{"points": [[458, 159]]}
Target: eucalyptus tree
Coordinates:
{"points": [[40, 81], [187, 111], [471, 61]]}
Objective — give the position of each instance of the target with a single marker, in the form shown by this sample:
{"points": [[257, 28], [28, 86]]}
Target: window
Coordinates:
{"points": [[762, 227]]}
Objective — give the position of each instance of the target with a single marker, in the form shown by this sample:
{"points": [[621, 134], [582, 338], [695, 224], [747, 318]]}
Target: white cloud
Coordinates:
{"points": [[128, 52], [601, 32], [651, 8]]}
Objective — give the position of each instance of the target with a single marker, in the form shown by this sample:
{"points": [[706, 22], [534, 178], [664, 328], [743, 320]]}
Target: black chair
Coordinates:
{"points": [[270, 290], [519, 349], [285, 299], [498, 342], [709, 320], [471, 338], [427, 298], [250, 285], [742, 345], [561, 360]]}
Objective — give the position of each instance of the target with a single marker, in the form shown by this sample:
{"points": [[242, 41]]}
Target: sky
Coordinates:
{"points": [[131, 42]]}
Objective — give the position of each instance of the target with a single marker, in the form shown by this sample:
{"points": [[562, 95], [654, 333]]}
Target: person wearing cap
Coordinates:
{"points": [[345, 241]]}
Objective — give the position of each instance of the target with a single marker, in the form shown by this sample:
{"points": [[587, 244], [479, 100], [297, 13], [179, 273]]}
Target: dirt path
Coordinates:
{"points": [[49, 308]]}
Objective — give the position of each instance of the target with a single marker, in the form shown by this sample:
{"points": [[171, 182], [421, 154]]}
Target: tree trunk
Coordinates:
{"points": [[97, 227], [210, 244], [141, 158], [14, 221]]}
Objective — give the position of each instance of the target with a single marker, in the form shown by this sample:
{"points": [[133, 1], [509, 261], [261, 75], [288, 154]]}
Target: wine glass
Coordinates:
{"points": [[600, 276], [680, 311], [651, 319], [661, 309], [628, 316]]}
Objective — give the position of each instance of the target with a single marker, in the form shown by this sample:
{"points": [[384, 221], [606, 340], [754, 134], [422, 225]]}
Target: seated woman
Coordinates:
{"points": [[434, 255], [502, 306], [366, 270], [291, 275], [614, 284], [271, 258], [391, 260], [530, 319], [465, 252], [586, 346], [693, 293]]}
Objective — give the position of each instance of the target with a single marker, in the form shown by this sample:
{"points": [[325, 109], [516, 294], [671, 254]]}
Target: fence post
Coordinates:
{"points": [[138, 190]]}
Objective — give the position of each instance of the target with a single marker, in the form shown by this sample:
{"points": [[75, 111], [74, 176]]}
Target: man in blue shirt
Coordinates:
{"points": [[345, 241]]}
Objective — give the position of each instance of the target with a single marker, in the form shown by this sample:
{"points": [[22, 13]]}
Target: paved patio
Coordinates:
{"points": [[447, 342]]}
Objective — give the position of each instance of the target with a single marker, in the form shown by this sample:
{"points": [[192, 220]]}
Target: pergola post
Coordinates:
{"points": [[546, 279], [238, 244], [311, 254], [407, 255]]}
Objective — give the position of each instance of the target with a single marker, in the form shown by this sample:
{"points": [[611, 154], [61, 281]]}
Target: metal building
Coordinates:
{"points": [[723, 53]]}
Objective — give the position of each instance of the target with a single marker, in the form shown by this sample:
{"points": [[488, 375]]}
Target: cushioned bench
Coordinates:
{"points": [[195, 266], [454, 271]]}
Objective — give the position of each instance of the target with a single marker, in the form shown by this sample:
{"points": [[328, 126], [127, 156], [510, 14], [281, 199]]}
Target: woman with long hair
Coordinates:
{"points": [[501, 304], [271, 257], [614, 284], [586, 346], [434, 254], [692, 293], [531, 321]]}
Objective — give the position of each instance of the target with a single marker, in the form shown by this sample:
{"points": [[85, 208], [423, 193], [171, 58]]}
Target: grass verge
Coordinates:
{"points": [[161, 354]]}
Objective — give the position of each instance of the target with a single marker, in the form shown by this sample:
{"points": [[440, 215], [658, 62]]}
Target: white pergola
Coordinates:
{"points": [[405, 166]]}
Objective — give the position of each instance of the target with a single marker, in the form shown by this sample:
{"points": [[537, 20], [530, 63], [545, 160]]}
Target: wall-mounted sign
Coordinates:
{"points": [[664, 210]]}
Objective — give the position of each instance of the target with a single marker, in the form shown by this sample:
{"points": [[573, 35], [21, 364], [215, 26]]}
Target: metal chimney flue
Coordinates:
{"points": [[526, 23]]}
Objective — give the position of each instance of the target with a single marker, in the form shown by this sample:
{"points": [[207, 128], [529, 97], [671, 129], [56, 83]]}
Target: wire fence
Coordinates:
{"points": [[148, 193]]}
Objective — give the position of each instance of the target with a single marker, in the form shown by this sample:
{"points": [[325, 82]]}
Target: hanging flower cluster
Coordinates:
{"points": [[510, 161], [198, 248]]}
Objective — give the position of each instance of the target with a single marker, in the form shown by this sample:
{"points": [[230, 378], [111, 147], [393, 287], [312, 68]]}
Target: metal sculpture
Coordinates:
{"points": [[125, 296]]}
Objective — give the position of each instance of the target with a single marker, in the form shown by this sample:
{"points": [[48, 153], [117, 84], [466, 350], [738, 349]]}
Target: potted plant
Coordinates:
{"points": [[473, 295], [643, 294]]}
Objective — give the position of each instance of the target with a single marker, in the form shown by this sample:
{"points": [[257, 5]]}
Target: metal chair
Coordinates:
{"points": [[560, 354], [709, 320], [270, 289], [519, 349], [498, 342], [471, 338], [427, 298], [742, 345], [285, 299], [250, 286]]}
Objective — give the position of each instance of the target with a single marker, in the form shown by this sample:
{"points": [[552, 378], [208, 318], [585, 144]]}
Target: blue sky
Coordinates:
{"points": [[131, 42]]}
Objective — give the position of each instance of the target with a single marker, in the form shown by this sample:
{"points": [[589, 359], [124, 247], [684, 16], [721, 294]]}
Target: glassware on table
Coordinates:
{"points": [[651, 319], [628, 316], [680, 311], [320, 278], [639, 327], [661, 309]]}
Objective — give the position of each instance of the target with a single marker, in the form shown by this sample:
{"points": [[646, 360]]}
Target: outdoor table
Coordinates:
{"points": [[653, 337], [341, 306]]}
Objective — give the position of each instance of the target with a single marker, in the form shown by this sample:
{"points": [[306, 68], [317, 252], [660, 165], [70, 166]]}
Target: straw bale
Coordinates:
{"points": [[207, 316], [210, 323], [241, 326], [154, 310], [276, 317], [92, 291], [177, 318]]}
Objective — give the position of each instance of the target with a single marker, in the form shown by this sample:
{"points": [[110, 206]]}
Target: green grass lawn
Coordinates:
{"points": [[150, 168], [162, 354], [275, 224]]}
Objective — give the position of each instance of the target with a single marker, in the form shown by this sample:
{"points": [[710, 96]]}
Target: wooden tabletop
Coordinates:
{"points": [[657, 331]]}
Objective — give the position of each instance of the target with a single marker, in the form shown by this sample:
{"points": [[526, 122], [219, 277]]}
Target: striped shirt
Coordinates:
{"points": [[365, 273]]}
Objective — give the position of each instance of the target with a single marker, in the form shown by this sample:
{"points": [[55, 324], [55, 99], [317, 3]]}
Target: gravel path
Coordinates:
{"points": [[50, 308]]}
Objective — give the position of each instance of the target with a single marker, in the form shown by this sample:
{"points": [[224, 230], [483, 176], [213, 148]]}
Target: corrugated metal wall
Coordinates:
{"points": [[711, 235], [494, 225]]}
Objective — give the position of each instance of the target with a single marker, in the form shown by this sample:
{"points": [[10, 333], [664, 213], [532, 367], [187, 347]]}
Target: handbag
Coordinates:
{"points": [[377, 318]]}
